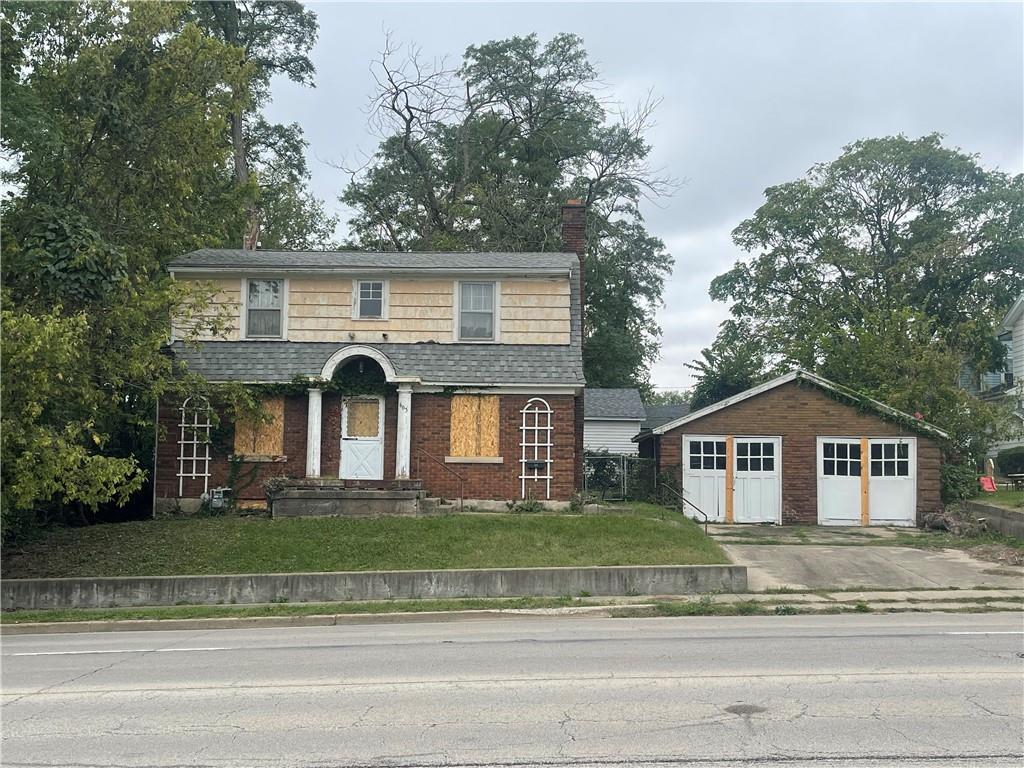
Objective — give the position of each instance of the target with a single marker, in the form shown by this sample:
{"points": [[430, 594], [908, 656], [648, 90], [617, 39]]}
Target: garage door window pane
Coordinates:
{"points": [[854, 469], [742, 449], [694, 447], [841, 468], [755, 449], [742, 465], [830, 467], [768, 449], [829, 450], [755, 465], [840, 450], [709, 449], [855, 451], [694, 461], [769, 464], [720, 448], [876, 451], [889, 468], [719, 462], [709, 462], [902, 451], [889, 451], [876, 469], [903, 469]]}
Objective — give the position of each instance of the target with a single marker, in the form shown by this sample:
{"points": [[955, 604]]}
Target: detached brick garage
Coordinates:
{"points": [[800, 449]]}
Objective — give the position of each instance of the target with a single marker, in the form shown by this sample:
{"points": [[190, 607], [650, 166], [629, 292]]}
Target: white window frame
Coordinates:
{"points": [[457, 305], [244, 324], [385, 305]]}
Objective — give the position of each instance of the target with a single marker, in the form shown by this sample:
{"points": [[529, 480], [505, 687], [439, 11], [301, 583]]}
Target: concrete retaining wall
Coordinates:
{"points": [[1006, 521], [41, 594]]}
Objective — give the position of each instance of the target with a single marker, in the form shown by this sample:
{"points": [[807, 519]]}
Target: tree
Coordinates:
{"points": [[732, 364], [274, 38], [886, 269], [482, 157], [669, 397], [114, 124]]}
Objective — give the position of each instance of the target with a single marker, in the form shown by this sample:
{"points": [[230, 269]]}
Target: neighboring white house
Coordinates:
{"points": [[611, 418], [1010, 386]]}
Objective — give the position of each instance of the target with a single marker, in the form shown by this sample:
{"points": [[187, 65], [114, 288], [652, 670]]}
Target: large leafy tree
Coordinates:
{"points": [[887, 269], [274, 38], [481, 157], [114, 127]]}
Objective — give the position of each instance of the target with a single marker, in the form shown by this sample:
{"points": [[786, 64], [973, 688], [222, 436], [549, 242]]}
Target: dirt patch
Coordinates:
{"points": [[998, 553]]}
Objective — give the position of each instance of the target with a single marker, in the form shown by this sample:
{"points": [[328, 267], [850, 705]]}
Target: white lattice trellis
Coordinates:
{"points": [[194, 442], [535, 444]]}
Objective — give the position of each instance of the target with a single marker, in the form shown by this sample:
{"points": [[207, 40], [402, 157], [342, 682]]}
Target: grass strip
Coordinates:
{"points": [[283, 609]]}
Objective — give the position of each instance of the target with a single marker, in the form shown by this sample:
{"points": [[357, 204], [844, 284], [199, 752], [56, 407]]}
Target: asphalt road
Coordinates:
{"points": [[917, 689]]}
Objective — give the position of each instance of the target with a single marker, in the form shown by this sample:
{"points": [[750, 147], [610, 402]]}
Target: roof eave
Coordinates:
{"points": [[786, 378]]}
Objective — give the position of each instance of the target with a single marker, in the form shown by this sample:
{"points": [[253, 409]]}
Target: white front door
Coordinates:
{"points": [[839, 491], [704, 475], [362, 438], [757, 480], [892, 480]]}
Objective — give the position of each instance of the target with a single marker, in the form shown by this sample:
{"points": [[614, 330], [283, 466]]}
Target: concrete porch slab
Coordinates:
{"points": [[811, 566]]}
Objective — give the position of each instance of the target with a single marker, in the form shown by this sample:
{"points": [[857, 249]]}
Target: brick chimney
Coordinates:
{"points": [[574, 238]]}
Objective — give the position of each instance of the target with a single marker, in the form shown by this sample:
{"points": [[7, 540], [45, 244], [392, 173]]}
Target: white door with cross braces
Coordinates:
{"points": [[362, 438]]}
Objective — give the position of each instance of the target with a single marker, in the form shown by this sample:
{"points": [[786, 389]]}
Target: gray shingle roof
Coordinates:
{"points": [[663, 414], [236, 258], [484, 364], [612, 404]]}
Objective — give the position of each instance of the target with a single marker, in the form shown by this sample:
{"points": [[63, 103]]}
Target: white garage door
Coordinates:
{"points": [[892, 481], [704, 474], [757, 480], [839, 481], [892, 485]]}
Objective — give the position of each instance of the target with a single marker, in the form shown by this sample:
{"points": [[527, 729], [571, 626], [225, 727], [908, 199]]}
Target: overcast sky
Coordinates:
{"points": [[754, 94]]}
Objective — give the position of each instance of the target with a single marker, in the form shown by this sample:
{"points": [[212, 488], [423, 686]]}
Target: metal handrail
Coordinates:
{"points": [[685, 500], [420, 453]]}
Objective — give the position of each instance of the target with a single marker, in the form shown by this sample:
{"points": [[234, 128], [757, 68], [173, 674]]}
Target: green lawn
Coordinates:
{"points": [[259, 545], [1004, 498]]}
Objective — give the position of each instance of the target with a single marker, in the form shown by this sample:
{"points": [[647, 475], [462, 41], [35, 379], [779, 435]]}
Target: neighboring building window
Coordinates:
{"points": [[264, 308], [840, 459], [474, 426], [890, 460], [370, 300], [707, 454], [535, 445], [194, 442], [263, 436], [476, 311]]}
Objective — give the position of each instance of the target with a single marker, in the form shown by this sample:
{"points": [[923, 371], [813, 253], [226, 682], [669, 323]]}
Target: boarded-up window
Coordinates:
{"points": [[474, 426], [265, 437], [362, 418]]}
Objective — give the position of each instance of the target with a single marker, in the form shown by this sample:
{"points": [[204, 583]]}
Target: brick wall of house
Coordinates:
{"points": [[431, 415], [252, 474], [431, 424], [799, 413]]}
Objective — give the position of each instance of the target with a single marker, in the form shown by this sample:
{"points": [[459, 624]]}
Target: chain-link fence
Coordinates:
{"points": [[614, 477]]}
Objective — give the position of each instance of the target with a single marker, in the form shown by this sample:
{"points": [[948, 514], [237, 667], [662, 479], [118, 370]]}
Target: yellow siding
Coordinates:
{"points": [[531, 311], [227, 300]]}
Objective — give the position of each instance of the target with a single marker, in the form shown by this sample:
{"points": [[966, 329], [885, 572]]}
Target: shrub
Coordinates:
{"points": [[959, 481], [1011, 461]]}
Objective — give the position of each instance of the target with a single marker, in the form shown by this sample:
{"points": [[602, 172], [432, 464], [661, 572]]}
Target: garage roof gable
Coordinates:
{"points": [[818, 381]]}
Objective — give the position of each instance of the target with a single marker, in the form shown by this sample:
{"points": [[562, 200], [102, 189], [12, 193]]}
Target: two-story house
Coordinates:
{"points": [[460, 373]]}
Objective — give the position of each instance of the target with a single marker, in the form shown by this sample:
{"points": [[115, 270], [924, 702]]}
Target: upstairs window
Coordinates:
{"points": [[264, 309], [476, 311], [370, 300]]}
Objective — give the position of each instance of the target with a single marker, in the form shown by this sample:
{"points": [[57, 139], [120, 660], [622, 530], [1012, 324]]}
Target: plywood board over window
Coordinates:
{"points": [[475, 426], [264, 439], [363, 418]]}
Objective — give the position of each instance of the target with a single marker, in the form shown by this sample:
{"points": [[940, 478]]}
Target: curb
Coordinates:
{"points": [[315, 620]]}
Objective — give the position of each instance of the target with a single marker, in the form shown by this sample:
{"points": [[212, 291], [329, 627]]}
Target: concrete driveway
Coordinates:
{"points": [[845, 566]]}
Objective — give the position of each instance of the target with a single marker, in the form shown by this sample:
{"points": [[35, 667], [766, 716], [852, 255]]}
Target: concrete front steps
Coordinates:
{"points": [[320, 497]]}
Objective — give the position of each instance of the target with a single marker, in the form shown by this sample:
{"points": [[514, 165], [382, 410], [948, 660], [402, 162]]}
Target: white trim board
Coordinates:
{"points": [[786, 379]]}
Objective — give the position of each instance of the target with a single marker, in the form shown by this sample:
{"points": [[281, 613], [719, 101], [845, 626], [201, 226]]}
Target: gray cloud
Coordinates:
{"points": [[754, 94]]}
